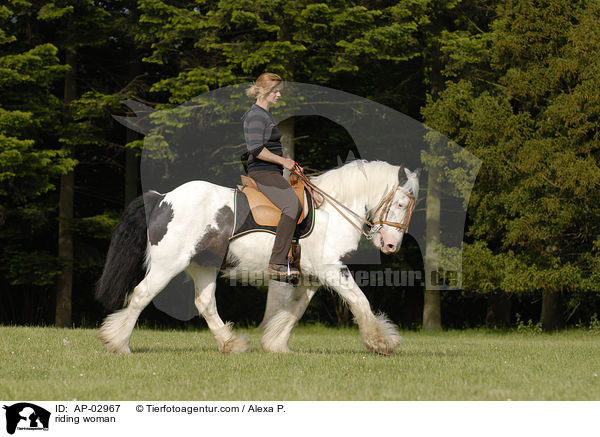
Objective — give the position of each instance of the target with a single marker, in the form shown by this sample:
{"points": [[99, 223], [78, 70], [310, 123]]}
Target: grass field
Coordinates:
{"points": [[329, 364]]}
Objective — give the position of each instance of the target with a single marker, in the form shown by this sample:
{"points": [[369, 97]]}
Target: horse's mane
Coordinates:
{"points": [[358, 179]]}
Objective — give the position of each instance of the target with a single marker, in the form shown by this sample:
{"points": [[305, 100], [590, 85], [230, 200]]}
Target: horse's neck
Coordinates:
{"points": [[362, 193]]}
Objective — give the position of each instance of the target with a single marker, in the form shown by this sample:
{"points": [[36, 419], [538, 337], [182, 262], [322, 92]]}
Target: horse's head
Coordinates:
{"points": [[395, 211]]}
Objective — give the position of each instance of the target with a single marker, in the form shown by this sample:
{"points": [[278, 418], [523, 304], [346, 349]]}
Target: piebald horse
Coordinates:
{"points": [[188, 229]]}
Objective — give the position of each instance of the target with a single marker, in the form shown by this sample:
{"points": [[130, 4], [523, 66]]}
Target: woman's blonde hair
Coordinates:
{"points": [[265, 83]]}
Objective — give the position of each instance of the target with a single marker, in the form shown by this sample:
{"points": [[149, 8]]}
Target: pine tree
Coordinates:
{"points": [[30, 159], [531, 119]]}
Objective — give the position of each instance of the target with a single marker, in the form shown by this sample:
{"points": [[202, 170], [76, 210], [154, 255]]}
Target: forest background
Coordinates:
{"points": [[515, 82]]}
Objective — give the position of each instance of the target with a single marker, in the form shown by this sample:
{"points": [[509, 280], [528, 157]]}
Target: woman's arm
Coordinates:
{"points": [[266, 155]]}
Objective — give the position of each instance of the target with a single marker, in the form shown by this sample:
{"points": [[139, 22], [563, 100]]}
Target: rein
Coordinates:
{"points": [[384, 205]]}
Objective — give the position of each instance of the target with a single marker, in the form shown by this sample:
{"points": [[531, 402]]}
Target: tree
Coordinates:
{"points": [[534, 209], [445, 23], [30, 160], [76, 23]]}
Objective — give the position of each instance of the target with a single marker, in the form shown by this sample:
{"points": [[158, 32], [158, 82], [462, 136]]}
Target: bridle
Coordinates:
{"points": [[384, 206]]}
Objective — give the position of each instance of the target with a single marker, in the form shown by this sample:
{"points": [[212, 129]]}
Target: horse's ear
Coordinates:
{"points": [[402, 176]]}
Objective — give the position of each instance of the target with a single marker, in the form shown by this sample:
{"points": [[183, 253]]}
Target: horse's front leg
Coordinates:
{"points": [[278, 296], [378, 333]]}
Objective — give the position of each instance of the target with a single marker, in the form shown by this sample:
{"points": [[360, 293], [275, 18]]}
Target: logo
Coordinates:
{"points": [[27, 417]]}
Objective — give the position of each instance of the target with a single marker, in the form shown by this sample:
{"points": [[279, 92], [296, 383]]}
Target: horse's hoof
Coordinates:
{"points": [[380, 335], [236, 345], [118, 350], [277, 348]]}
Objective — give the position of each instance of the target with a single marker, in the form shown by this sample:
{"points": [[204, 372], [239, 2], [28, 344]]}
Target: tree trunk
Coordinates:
{"points": [[498, 310], [432, 313], [551, 317], [64, 286]]}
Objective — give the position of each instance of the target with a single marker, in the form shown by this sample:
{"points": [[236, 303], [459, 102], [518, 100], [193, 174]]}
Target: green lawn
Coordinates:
{"points": [[329, 364]]}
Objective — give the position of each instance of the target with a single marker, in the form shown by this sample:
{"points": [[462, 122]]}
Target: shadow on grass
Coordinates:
{"points": [[177, 349], [299, 351]]}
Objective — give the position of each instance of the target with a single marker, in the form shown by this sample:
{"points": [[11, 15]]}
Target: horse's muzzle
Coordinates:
{"points": [[388, 243]]}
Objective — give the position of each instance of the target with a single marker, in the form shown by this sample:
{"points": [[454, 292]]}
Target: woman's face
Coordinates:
{"points": [[274, 95]]}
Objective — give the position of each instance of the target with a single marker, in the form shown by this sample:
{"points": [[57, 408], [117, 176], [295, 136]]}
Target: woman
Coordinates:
{"points": [[266, 164]]}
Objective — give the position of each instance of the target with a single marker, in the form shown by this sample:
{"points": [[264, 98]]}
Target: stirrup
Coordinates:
{"points": [[282, 270]]}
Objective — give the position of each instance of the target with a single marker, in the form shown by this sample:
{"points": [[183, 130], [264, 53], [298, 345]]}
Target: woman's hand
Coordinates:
{"points": [[288, 163], [295, 167]]}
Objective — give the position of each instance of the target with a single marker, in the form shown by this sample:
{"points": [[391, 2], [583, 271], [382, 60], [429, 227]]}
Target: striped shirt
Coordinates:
{"points": [[260, 131]]}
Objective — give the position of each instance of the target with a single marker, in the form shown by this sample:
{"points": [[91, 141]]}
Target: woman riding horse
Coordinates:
{"points": [[266, 164]]}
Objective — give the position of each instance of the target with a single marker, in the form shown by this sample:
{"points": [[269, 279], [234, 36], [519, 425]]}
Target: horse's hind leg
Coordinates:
{"points": [[279, 327], [205, 285], [117, 327]]}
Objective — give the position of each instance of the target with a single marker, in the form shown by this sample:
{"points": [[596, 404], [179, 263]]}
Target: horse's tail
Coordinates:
{"points": [[124, 266]]}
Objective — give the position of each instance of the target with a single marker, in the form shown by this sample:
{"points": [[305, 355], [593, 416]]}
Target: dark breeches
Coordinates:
{"points": [[278, 190]]}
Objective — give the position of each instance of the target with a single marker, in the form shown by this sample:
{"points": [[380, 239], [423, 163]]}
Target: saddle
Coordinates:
{"points": [[254, 212], [264, 212]]}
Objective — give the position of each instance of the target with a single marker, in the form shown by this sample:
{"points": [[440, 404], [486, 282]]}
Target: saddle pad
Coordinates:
{"points": [[244, 222]]}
